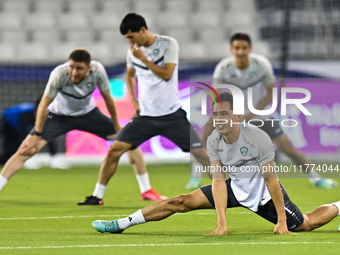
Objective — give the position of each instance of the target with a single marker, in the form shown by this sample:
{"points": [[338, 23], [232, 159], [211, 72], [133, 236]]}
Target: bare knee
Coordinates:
{"points": [[307, 225], [114, 154], [179, 203], [28, 153]]}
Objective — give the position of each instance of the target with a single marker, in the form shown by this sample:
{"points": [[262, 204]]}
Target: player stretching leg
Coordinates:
{"points": [[258, 190], [154, 60], [67, 105]]}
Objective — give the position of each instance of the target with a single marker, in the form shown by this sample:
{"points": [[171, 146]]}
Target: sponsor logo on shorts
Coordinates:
{"points": [[291, 227], [219, 150]]}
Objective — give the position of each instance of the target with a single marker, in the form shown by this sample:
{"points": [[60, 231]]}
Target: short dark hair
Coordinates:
{"points": [[133, 22], [80, 55], [225, 97], [240, 36]]}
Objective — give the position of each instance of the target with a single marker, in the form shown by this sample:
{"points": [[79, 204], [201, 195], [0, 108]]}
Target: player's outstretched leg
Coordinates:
{"points": [[137, 161], [320, 216], [298, 158], [156, 211], [16, 162]]}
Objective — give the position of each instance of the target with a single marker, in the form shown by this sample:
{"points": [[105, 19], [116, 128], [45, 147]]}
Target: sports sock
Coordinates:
{"points": [[143, 182], [313, 176], [337, 204], [3, 181], [196, 170], [133, 219], [99, 191]]}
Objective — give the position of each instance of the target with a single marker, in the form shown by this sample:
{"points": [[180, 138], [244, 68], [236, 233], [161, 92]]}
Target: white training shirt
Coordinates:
{"points": [[258, 75], [252, 149], [75, 99], [156, 96]]}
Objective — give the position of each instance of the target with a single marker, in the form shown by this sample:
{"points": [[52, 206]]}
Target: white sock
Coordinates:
{"points": [[143, 182], [313, 176], [3, 181], [196, 170], [337, 204], [133, 219], [99, 191]]}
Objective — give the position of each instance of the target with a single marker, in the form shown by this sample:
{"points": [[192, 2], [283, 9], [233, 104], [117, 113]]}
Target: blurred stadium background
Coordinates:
{"points": [[300, 37]]}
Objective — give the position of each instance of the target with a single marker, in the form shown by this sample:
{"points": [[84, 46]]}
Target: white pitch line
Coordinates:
{"points": [[110, 215], [90, 216], [61, 217], [155, 245]]}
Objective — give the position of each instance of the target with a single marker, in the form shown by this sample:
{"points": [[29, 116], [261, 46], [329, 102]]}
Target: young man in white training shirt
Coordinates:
{"points": [[245, 69], [253, 184], [66, 105], [153, 60]]}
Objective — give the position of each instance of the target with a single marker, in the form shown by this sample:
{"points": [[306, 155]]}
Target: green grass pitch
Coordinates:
{"points": [[38, 215]]}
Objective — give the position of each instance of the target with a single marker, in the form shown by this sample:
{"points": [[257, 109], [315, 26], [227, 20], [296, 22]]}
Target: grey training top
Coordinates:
{"points": [[75, 99]]}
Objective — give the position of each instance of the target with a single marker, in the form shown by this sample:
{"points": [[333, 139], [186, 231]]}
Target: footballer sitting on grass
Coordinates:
{"points": [[259, 191]]}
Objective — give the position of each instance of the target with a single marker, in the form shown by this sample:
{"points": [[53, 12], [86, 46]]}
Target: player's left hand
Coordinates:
{"points": [[30, 145], [218, 231], [281, 228], [136, 51]]}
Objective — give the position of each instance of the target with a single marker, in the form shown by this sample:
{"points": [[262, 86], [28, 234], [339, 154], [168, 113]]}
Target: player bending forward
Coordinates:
{"points": [[260, 192], [67, 105]]}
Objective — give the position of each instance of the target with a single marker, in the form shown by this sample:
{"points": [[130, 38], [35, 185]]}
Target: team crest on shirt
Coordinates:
{"points": [[89, 85], [244, 150], [155, 52]]}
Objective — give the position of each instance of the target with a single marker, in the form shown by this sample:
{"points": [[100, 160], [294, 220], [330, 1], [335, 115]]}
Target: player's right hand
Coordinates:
{"points": [[281, 228], [218, 231]]}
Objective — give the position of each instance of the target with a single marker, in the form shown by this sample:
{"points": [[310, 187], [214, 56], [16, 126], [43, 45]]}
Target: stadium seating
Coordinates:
{"points": [[20, 6], [8, 52], [147, 6], [33, 52], [17, 36], [86, 6], [217, 6], [10, 20], [40, 21], [47, 36], [182, 35], [60, 51], [80, 36], [52, 6], [201, 22], [74, 20], [117, 7]]}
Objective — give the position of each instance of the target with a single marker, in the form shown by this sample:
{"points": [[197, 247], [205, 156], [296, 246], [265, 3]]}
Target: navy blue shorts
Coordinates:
{"points": [[93, 122], [174, 126]]}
